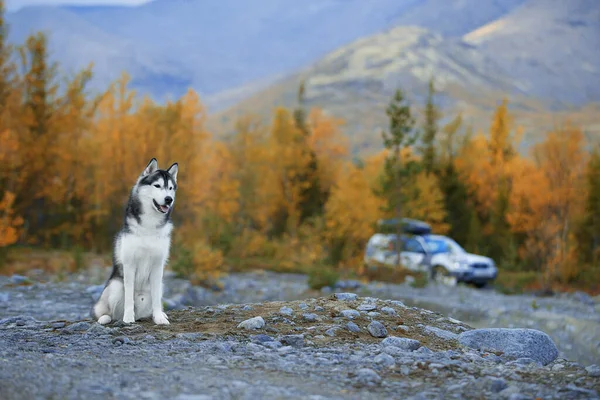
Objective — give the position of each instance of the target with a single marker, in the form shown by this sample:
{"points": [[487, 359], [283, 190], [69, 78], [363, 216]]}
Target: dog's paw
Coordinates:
{"points": [[129, 318], [160, 318]]}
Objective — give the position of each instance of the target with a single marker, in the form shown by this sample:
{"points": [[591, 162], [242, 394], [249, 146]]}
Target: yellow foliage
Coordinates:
{"points": [[426, 202], [9, 223], [352, 210]]}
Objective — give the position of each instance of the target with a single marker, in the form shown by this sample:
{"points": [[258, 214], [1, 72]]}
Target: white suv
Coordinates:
{"points": [[445, 260]]}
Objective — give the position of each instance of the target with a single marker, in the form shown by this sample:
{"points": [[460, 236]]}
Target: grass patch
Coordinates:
{"points": [[321, 276], [509, 282]]}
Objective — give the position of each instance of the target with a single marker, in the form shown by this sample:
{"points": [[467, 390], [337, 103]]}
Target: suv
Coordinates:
{"points": [[444, 259]]}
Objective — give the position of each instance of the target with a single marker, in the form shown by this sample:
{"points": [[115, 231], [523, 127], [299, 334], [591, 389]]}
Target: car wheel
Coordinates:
{"points": [[480, 285], [442, 276]]}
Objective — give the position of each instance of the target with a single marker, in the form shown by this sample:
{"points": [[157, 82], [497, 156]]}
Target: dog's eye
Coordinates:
{"points": [[170, 188], [157, 186]]}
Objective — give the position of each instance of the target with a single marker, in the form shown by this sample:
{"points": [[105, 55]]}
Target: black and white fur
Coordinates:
{"points": [[141, 251]]}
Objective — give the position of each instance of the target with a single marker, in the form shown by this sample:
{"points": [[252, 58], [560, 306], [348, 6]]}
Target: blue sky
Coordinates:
{"points": [[13, 5]]}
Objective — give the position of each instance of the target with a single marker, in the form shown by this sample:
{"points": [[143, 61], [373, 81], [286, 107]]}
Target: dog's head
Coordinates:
{"points": [[157, 187]]}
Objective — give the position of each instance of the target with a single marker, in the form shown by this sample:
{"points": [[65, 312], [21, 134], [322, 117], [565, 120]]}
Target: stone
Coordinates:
{"points": [[405, 344], [593, 370], [377, 329], [310, 317], [385, 360], [292, 340], [286, 311], [388, 311], [367, 377], [514, 343], [346, 296], [352, 327], [350, 314], [366, 307], [441, 333], [252, 323]]}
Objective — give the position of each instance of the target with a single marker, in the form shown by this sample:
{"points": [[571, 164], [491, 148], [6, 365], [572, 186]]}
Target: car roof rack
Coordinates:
{"points": [[409, 225]]}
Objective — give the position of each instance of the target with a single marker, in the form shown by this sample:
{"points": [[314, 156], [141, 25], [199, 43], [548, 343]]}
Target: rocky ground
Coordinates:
{"points": [[253, 340]]}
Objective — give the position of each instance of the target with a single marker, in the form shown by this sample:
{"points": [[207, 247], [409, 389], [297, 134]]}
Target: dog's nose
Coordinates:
{"points": [[168, 200]]}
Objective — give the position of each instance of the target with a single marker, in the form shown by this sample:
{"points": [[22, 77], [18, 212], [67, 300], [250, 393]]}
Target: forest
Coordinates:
{"points": [[287, 195]]}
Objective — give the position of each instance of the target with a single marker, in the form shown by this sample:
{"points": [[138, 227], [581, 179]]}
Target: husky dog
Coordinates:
{"points": [[141, 250]]}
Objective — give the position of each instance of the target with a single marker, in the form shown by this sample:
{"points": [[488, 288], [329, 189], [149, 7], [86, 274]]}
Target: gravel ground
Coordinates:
{"points": [[238, 343]]}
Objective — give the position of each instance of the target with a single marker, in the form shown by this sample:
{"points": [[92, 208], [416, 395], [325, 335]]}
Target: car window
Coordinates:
{"points": [[413, 245]]}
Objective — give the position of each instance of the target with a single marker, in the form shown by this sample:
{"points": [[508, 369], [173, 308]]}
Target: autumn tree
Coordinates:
{"points": [[546, 200], [485, 164], [588, 232], [351, 213], [430, 130], [397, 171]]}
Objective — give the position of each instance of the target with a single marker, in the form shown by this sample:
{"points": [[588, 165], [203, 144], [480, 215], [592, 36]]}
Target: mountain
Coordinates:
{"points": [[211, 45], [519, 55]]}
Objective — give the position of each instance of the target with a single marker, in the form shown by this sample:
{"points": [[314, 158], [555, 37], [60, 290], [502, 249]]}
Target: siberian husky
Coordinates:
{"points": [[140, 252]]}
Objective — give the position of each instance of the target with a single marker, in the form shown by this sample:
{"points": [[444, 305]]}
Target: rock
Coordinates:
{"points": [[402, 343], [367, 377], [497, 384], [261, 338], [58, 324], [393, 350], [121, 340], [331, 331], [516, 343], [398, 303], [584, 298], [373, 314], [286, 311], [303, 306], [252, 323], [19, 279], [350, 314], [388, 311], [593, 370], [377, 329], [292, 340], [310, 317], [78, 327], [366, 307], [247, 308], [319, 309], [441, 333], [352, 327], [385, 360], [346, 296]]}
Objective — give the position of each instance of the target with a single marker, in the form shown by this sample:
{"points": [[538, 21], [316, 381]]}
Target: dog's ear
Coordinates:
{"points": [[151, 167], [173, 171]]}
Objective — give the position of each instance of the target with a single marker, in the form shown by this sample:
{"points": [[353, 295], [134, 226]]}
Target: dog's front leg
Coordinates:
{"points": [[158, 316], [128, 283]]}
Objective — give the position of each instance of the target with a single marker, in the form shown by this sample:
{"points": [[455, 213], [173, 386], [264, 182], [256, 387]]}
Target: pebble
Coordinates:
{"points": [[346, 296], [78, 327], [385, 359], [350, 314], [593, 370], [388, 311], [310, 317], [367, 377], [261, 338], [441, 333], [292, 340], [405, 344], [18, 279], [377, 329], [366, 307], [252, 323], [286, 311], [352, 327], [303, 306]]}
